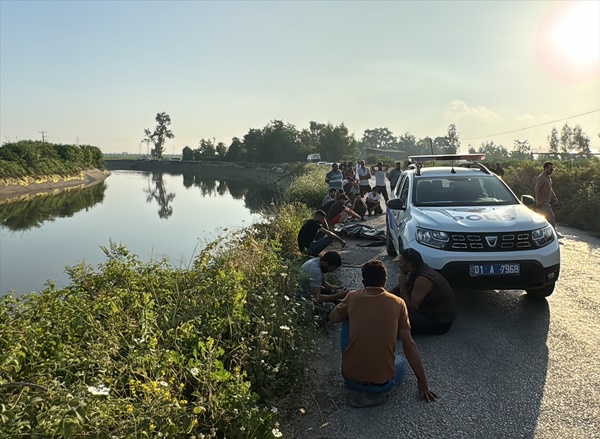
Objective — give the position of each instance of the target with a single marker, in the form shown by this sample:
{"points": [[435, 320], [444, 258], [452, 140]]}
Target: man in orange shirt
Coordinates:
{"points": [[372, 320]]}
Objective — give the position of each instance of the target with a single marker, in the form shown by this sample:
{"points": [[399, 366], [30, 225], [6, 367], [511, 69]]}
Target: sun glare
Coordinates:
{"points": [[568, 42]]}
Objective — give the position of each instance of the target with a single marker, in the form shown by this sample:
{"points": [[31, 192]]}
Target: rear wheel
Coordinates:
{"points": [[389, 245], [540, 293]]}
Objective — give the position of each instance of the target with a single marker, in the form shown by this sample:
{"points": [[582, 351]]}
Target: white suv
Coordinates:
{"points": [[469, 225]]}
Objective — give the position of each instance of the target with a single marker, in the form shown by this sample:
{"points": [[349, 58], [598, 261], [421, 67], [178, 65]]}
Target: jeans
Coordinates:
{"points": [[317, 247], [400, 363]]}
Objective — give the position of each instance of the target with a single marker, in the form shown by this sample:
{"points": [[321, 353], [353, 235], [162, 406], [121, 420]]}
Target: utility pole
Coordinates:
{"points": [[43, 135], [77, 140]]}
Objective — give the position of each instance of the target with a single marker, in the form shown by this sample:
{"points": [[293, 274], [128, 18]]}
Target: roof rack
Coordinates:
{"points": [[419, 159]]}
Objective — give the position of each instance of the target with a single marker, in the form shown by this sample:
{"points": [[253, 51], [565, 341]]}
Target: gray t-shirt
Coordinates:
{"points": [[314, 275]]}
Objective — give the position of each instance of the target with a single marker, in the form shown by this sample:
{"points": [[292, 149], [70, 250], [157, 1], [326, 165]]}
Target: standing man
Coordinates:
{"points": [[373, 201], [316, 285], [364, 175], [427, 294], [544, 193], [334, 178], [310, 236], [380, 172], [394, 176], [498, 170], [372, 320]]}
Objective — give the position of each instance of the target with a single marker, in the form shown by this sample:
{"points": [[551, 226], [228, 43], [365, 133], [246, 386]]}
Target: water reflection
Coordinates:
{"points": [[157, 191], [24, 215]]}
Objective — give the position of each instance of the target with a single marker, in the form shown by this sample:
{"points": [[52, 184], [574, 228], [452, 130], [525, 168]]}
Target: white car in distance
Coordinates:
{"points": [[468, 225]]}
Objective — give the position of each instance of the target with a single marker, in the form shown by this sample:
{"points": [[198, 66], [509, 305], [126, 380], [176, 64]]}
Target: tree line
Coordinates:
{"points": [[279, 142]]}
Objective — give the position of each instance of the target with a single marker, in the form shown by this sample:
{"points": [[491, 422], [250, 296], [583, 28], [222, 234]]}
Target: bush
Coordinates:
{"points": [[28, 158], [134, 349], [577, 185], [308, 187]]}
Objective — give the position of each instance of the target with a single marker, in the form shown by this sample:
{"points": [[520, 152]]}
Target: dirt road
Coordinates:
{"points": [[510, 367]]}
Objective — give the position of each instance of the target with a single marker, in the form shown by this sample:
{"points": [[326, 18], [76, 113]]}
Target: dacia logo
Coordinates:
{"points": [[491, 240]]}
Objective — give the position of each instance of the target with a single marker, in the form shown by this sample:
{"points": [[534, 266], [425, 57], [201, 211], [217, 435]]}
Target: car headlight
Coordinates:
{"points": [[432, 238], [543, 236]]}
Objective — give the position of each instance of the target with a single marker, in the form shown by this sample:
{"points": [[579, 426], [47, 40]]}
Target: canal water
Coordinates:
{"points": [[154, 214]]}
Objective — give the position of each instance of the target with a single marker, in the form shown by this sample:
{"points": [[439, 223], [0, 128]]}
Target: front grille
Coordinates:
{"points": [[490, 242]]}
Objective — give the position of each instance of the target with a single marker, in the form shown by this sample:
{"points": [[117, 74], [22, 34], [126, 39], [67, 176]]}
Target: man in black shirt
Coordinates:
{"points": [[428, 295], [310, 236]]}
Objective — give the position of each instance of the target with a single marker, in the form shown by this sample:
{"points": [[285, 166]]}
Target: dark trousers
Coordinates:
{"points": [[422, 324], [383, 191], [364, 190]]}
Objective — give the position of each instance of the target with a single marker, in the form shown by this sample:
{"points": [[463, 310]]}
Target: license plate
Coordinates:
{"points": [[476, 270]]}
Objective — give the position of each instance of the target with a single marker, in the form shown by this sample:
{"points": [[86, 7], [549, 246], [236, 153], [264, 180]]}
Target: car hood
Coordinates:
{"points": [[476, 218]]}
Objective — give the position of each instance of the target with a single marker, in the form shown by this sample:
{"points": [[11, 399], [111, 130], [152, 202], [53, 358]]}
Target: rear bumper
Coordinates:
{"points": [[532, 275]]}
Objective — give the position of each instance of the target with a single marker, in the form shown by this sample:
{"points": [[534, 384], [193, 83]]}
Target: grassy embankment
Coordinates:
{"points": [[134, 349], [29, 161]]}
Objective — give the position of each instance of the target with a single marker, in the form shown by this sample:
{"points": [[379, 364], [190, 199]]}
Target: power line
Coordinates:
{"points": [[533, 126]]}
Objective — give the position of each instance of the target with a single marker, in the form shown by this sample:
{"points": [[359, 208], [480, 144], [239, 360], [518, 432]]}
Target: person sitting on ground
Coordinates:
{"points": [[314, 236], [315, 285], [359, 206], [372, 319], [331, 196], [339, 212], [428, 295], [373, 201]]}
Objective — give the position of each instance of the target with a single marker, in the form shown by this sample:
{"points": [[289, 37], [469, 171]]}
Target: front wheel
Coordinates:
{"points": [[540, 293], [389, 245]]}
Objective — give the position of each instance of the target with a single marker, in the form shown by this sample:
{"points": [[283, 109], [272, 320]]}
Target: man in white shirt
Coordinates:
{"points": [[380, 172], [364, 175], [373, 201]]}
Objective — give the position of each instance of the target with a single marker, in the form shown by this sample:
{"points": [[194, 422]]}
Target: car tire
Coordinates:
{"points": [[540, 293], [389, 245]]}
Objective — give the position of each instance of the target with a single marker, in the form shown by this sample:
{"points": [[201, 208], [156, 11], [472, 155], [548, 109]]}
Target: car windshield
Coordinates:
{"points": [[480, 190]]}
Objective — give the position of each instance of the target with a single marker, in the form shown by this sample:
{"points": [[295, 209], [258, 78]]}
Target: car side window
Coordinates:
{"points": [[404, 188], [399, 185]]}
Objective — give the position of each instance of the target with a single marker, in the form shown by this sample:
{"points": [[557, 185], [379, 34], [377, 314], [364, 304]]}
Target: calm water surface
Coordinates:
{"points": [[152, 214]]}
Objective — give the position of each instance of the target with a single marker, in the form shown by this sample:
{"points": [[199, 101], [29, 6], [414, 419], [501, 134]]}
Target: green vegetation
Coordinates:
{"points": [[576, 183], [134, 349], [308, 186], [160, 135], [35, 159], [23, 215]]}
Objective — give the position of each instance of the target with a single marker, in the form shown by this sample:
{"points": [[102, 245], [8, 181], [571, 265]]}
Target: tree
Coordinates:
{"points": [[234, 152], [206, 148], [160, 135], [553, 143], [493, 152], [581, 142], [380, 138], [407, 143], [521, 150], [221, 149], [336, 143], [566, 141], [453, 140], [187, 153]]}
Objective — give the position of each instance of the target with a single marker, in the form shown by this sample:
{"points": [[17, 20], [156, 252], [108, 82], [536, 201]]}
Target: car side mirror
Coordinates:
{"points": [[527, 200], [395, 204]]}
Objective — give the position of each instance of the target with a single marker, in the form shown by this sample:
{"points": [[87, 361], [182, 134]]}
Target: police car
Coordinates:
{"points": [[468, 224]]}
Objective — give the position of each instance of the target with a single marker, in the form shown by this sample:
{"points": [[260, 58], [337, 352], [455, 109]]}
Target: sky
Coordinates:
{"points": [[98, 72]]}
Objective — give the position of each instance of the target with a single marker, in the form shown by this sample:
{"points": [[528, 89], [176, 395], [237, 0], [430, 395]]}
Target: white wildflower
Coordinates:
{"points": [[276, 432], [274, 410], [286, 298], [263, 332], [284, 327], [195, 371], [276, 370], [163, 383], [100, 390], [242, 428]]}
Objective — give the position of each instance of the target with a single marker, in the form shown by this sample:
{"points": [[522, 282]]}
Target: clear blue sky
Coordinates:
{"points": [[99, 71]]}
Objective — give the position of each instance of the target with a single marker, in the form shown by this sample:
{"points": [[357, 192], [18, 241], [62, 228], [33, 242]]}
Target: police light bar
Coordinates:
{"points": [[445, 157]]}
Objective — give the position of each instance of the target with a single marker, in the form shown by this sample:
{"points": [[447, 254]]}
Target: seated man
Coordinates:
{"points": [[372, 320], [331, 196], [428, 295], [373, 201], [339, 212], [310, 236], [316, 285], [359, 206]]}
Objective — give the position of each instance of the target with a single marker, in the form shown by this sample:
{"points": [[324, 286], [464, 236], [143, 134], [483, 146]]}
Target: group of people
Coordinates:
{"points": [[373, 318], [350, 195]]}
